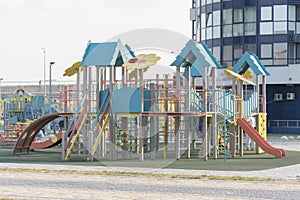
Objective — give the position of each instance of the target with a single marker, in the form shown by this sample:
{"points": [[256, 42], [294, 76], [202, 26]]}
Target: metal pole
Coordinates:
{"points": [[44, 52], [0, 89], [50, 85]]}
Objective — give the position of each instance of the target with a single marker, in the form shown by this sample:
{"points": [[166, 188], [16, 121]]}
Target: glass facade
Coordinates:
{"points": [[267, 28]]}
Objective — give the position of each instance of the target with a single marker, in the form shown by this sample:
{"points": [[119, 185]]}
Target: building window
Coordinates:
{"points": [[292, 53], [238, 29], [250, 29], [216, 32], [298, 13], [203, 2], [208, 19], [227, 31], [266, 28], [203, 34], [251, 48], [238, 15], [292, 13], [217, 52], [280, 12], [266, 51], [209, 33], [237, 52], [203, 20], [250, 14], [280, 27], [227, 53], [292, 28], [297, 53], [216, 16], [266, 13], [298, 28], [227, 16], [280, 53]]}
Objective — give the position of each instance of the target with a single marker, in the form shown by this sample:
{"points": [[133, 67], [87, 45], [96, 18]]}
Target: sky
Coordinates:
{"points": [[64, 27]]}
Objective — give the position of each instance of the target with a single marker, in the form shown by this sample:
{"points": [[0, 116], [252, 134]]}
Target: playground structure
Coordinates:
{"points": [[19, 109], [167, 117]]}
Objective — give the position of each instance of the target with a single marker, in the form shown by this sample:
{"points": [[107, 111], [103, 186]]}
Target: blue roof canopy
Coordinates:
{"points": [[196, 55], [250, 61], [106, 54]]}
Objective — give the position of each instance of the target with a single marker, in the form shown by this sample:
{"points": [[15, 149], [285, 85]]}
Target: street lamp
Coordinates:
{"points": [[50, 85], [0, 88], [44, 52]]}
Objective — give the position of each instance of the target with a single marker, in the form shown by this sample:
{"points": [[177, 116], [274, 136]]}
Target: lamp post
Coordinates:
{"points": [[44, 52], [50, 85], [0, 88]]}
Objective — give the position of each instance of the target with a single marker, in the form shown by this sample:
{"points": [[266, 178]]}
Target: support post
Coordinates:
{"points": [[187, 109], [141, 121], [204, 129], [177, 118], [214, 120], [112, 134]]}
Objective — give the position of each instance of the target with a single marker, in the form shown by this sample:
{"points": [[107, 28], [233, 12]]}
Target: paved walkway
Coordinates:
{"points": [[33, 185], [30, 185]]}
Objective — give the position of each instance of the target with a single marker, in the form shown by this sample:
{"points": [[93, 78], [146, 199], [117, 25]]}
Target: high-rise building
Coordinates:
{"points": [[268, 28]]}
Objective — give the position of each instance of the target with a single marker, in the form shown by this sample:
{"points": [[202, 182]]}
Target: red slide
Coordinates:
{"points": [[2, 139], [51, 142], [26, 138], [259, 140]]}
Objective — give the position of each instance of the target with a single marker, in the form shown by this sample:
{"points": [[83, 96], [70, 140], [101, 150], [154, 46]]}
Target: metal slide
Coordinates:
{"points": [[26, 138], [259, 140]]}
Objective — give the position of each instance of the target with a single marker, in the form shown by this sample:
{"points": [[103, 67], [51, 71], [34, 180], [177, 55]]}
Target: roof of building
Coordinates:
{"points": [[250, 61], [106, 54], [196, 55]]}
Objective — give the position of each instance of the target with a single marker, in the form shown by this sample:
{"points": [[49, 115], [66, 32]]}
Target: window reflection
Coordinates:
{"points": [[227, 52], [266, 50], [216, 32], [238, 15], [250, 14], [227, 16], [280, 53], [266, 13], [216, 16], [292, 13], [251, 48], [237, 52], [227, 31], [217, 52], [238, 29], [266, 28], [250, 29], [280, 12]]}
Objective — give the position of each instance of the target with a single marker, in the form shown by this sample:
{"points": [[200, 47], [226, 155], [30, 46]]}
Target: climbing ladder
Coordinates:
{"points": [[89, 132]]}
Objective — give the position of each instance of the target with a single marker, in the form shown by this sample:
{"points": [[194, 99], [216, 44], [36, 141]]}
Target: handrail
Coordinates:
{"points": [[99, 135], [79, 119], [99, 112], [102, 117], [75, 137], [76, 114]]}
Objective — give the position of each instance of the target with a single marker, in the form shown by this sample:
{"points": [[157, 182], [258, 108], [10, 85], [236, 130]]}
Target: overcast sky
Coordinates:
{"points": [[64, 28]]}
